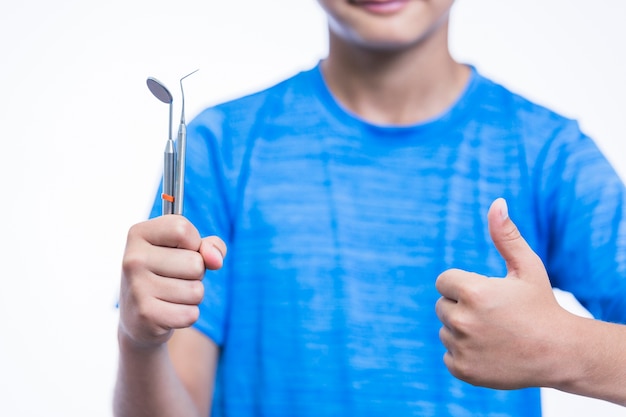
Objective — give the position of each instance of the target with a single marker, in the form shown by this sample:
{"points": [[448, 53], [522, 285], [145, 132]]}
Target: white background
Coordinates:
{"points": [[81, 141]]}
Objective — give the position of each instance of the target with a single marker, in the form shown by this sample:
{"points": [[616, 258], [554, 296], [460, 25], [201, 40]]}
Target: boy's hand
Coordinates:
{"points": [[162, 270], [499, 332]]}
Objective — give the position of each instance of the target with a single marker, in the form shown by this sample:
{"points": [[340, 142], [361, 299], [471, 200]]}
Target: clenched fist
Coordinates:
{"points": [[162, 270]]}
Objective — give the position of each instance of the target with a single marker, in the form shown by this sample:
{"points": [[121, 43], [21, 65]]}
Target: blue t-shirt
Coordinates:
{"points": [[338, 228]]}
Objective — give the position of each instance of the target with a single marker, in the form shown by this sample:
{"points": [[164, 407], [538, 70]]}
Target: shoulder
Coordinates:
{"points": [[501, 103], [226, 134], [524, 122], [242, 114]]}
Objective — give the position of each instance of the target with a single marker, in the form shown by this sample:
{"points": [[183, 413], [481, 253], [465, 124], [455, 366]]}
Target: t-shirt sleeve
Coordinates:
{"points": [[584, 203]]}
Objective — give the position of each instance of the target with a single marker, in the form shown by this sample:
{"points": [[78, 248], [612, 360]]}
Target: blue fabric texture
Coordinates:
{"points": [[337, 230]]}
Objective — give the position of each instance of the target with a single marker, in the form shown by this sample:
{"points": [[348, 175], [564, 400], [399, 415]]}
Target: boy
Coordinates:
{"points": [[341, 194]]}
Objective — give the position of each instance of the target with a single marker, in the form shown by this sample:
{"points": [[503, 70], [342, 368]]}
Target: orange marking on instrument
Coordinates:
{"points": [[167, 197]]}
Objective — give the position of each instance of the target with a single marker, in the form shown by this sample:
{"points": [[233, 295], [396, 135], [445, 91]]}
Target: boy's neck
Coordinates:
{"points": [[395, 88]]}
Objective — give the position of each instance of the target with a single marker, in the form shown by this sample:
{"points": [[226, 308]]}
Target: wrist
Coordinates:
{"points": [[131, 344], [556, 361], [580, 355], [596, 365]]}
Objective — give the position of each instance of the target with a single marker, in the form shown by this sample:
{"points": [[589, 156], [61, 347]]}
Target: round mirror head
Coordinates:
{"points": [[159, 90]]}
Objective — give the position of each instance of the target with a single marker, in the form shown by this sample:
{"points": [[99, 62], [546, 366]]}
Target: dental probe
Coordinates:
{"points": [[181, 148]]}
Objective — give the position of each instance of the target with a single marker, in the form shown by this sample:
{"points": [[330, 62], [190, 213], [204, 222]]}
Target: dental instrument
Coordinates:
{"points": [[175, 153], [181, 147]]}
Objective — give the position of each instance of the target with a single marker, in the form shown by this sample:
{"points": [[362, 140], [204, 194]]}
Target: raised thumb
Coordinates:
{"points": [[521, 261]]}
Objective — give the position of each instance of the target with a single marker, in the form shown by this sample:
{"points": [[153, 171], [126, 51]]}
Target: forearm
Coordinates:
{"points": [[147, 384], [593, 363]]}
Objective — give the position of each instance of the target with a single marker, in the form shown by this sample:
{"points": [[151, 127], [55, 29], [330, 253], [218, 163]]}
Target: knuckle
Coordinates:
{"points": [[460, 367], [134, 231], [144, 313], [462, 371], [190, 315], [196, 266], [439, 282], [139, 292], [459, 322], [511, 233], [438, 307], [196, 292], [448, 279], [180, 228], [441, 309], [472, 294], [447, 274], [456, 322], [133, 262], [442, 335]]}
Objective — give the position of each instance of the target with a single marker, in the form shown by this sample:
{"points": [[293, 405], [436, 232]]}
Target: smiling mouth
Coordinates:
{"points": [[380, 6]]}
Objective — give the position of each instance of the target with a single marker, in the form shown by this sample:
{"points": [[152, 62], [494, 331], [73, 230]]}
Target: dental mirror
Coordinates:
{"points": [[163, 94], [159, 90]]}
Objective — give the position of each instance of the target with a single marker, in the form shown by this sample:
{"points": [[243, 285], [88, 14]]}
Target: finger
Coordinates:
{"points": [[447, 339], [168, 315], [519, 257], [457, 323], [171, 231], [442, 309], [176, 263], [213, 251], [142, 259], [179, 291], [454, 283], [448, 360]]}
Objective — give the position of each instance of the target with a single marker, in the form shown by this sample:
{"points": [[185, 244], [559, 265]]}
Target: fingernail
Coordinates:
{"points": [[217, 251], [504, 210]]}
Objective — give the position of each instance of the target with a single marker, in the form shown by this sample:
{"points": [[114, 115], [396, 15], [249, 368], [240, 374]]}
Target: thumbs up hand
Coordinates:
{"points": [[502, 332]]}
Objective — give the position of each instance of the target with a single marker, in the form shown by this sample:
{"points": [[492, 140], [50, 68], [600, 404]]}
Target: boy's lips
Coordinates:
{"points": [[380, 6]]}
